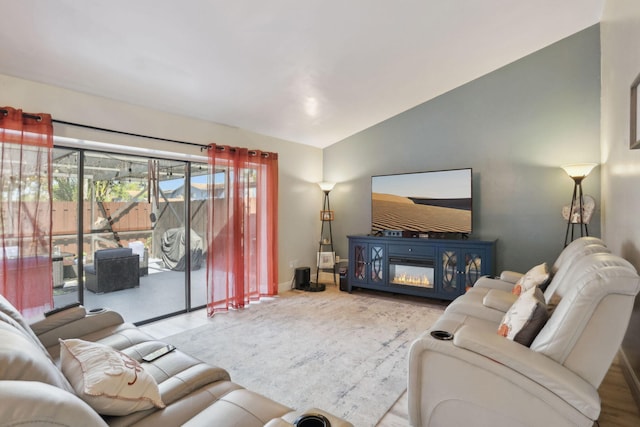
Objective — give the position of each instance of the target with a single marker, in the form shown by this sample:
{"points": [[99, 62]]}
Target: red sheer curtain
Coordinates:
{"points": [[242, 255], [26, 143]]}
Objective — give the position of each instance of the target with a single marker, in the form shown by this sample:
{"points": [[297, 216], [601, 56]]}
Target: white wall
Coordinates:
{"points": [[620, 37], [300, 166]]}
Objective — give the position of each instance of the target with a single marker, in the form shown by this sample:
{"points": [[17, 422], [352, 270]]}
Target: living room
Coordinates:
{"points": [[515, 127]]}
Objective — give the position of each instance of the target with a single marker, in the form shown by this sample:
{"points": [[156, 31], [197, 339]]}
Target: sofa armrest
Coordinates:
{"points": [[58, 319], [448, 382], [278, 422], [492, 283], [537, 367], [510, 276], [71, 324], [36, 403], [499, 300]]}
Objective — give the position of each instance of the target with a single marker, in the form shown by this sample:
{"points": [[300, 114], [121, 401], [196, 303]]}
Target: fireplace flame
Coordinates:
{"points": [[412, 279]]}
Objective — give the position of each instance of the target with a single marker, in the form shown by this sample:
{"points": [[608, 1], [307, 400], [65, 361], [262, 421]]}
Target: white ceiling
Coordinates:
{"points": [[308, 71]]}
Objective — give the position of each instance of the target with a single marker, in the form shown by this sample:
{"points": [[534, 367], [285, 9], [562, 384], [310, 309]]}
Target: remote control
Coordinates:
{"points": [[158, 353]]}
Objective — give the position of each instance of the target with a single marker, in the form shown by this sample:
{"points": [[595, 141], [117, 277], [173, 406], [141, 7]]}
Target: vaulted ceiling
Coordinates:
{"points": [[309, 71]]}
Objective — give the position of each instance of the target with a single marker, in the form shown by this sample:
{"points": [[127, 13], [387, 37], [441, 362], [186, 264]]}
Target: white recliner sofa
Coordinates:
{"points": [[462, 372], [508, 278], [490, 298], [46, 381]]}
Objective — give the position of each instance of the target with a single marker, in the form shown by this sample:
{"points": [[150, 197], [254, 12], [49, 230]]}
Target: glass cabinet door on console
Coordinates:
{"points": [[450, 273], [369, 261], [460, 269], [473, 268]]}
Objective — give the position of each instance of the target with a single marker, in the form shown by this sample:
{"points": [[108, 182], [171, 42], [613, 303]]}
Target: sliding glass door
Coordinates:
{"points": [[65, 193], [135, 217], [199, 195]]}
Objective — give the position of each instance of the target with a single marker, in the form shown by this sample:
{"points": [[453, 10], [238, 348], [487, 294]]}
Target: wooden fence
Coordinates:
{"points": [[133, 224]]}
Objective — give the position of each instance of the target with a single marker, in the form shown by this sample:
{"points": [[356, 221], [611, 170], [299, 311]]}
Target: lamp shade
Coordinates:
{"points": [[326, 185], [579, 170]]}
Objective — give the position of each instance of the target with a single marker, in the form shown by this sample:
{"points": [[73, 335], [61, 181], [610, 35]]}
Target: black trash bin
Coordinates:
{"points": [[342, 271], [302, 278]]}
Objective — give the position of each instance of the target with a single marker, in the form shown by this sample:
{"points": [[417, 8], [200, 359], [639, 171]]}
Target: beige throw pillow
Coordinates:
{"points": [[111, 382], [534, 277], [526, 317]]}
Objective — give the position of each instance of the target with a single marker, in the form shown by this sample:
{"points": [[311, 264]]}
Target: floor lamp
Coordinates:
{"points": [[578, 172], [326, 243]]}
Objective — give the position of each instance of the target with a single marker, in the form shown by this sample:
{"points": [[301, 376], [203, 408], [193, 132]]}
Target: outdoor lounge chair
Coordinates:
{"points": [[112, 270]]}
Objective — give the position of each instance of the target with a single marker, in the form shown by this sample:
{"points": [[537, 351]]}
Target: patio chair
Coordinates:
{"points": [[112, 270]]}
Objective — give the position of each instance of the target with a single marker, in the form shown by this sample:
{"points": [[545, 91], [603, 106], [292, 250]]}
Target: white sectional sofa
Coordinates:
{"points": [[462, 372], [86, 382]]}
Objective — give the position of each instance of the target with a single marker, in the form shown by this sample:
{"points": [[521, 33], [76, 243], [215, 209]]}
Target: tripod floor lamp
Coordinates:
{"points": [[578, 172], [326, 252]]}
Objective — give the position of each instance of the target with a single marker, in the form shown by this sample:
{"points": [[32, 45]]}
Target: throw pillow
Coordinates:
{"points": [[537, 276], [526, 317], [111, 382]]}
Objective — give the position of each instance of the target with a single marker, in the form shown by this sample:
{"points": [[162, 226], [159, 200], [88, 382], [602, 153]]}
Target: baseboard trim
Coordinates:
{"points": [[285, 286], [631, 377]]}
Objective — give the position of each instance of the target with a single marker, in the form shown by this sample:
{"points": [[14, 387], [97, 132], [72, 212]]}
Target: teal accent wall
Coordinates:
{"points": [[514, 127]]}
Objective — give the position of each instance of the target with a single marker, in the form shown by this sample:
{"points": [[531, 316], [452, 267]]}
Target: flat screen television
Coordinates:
{"points": [[422, 202]]}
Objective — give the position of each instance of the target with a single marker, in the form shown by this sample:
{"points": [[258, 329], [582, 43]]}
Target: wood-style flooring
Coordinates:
{"points": [[618, 406]]}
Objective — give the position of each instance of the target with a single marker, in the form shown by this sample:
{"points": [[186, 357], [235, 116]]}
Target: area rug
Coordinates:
{"points": [[344, 353]]}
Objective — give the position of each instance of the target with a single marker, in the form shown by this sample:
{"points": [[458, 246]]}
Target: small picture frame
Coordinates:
{"points": [[326, 259], [634, 119], [326, 216]]}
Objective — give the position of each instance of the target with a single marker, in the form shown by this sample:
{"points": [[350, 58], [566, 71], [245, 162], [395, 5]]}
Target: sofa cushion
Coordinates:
{"points": [[246, 408], [22, 359], [471, 304], [536, 276], [10, 315], [573, 250], [562, 280], [594, 277], [525, 318], [113, 253], [32, 403], [111, 382]]}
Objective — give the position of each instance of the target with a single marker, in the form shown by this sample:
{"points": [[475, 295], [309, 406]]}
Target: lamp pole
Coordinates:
{"points": [[326, 215], [578, 172]]}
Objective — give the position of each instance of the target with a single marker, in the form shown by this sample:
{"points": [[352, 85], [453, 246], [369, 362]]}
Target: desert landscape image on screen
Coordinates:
{"points": [[438, 201]]}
